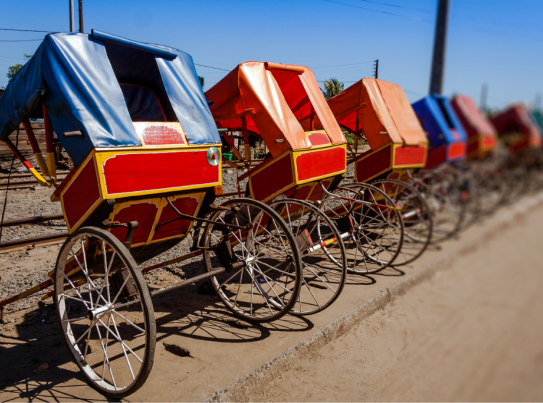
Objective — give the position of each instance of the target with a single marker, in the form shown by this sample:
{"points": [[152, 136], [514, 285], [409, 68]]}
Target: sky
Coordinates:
{"points": [[492, 42]]}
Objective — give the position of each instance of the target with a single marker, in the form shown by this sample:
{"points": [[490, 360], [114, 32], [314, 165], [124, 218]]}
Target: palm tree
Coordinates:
{"points": [[202, 81], [332, 87]]}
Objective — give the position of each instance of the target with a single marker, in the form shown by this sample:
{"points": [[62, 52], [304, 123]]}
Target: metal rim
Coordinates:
{"points": [[322, 254], [372, 232], [112, 339], [265, 284], [416, 215]]}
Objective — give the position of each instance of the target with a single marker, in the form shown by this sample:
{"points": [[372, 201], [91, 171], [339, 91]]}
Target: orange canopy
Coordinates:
{"points": [[277, 101], [473, 121], [516, 119], [384, 114]]}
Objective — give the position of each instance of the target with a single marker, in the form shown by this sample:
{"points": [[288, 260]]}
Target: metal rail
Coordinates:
{"points": [[32, 220]]}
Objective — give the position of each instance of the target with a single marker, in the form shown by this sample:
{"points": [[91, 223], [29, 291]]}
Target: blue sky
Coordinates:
{"points": [[498, 42]]}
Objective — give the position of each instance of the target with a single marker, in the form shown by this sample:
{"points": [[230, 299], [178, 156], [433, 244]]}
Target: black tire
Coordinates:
{"points": [[104, 283], [269, 285], [324, 267], [416, 215]]}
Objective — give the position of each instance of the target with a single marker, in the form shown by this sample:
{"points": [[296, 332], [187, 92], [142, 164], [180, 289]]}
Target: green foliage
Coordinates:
{"points": [[350, 137], [202, 81], [12, 70], [332, 87]]}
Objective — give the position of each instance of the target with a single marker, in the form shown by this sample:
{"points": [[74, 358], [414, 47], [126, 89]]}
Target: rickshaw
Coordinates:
{"points": [[449, 192], [283, 105], [378, 113], [521, 135], [482, 162], [135, 122]]}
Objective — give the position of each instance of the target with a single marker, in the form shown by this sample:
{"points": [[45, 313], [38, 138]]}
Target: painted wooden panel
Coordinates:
{"points": [[81, 195], [315, 164], [148, 171], [186, 205], [409, 156], [144, 213], [372, 164], [456, 151], [272, 178]]}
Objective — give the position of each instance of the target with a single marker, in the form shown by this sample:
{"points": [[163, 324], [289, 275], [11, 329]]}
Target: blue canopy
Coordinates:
{"points": [[99, 84], [439, 120]]}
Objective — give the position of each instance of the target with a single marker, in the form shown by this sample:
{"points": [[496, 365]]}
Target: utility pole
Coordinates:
{"points": [[440, 39], [377, 68], [484, 94], [81, 16], [72, 24], [537, 102]]}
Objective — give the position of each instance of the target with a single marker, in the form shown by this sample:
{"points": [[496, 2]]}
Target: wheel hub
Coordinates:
{"points": [[99, 312]]}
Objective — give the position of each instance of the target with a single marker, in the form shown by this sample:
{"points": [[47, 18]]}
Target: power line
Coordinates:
{"points": [[395, 5], [24, 30], [376, 11], [341, 65], [210, 67]]}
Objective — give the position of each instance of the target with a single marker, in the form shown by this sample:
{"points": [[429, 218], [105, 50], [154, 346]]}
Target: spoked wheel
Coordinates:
{"points": [[445, 201], [416, 215], [263, 266], [493, 188], [370, 225], [105, 311], [322, 253], [470, 194]]}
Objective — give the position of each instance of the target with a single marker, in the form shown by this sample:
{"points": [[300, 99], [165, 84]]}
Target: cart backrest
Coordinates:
{"points": [[439, 120], [95, 86], [279, 103], [517, 120], [382, 110], [472, 119]]}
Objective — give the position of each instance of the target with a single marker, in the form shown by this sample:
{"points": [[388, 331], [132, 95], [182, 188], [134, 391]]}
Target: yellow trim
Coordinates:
{"points": [[39, 178], [393, 157], [102, 155], [42, 164], [297, 153]]}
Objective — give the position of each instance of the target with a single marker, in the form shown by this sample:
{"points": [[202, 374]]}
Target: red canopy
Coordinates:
{"points": [[473, 121], [516, 119], [278, 102], [384, 113]]}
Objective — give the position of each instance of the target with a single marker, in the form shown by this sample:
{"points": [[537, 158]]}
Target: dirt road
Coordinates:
{"points": [[472, 333]]}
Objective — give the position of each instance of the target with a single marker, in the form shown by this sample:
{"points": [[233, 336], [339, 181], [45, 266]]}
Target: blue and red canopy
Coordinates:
{"points": [[94, 86]]}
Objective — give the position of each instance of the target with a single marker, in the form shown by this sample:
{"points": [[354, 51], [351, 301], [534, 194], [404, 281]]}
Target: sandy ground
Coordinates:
{"points": [[472, 333], [469, 334]]}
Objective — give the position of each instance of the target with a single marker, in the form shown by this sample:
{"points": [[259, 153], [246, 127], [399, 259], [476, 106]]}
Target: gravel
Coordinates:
{"points": [[28, 267]]}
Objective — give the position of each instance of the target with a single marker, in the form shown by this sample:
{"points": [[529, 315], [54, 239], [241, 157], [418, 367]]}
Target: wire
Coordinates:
{"points": [[395, 5], [7, 187], [341, 65], [24, 30], [363, 8], [210, 67], [377, 11]]}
